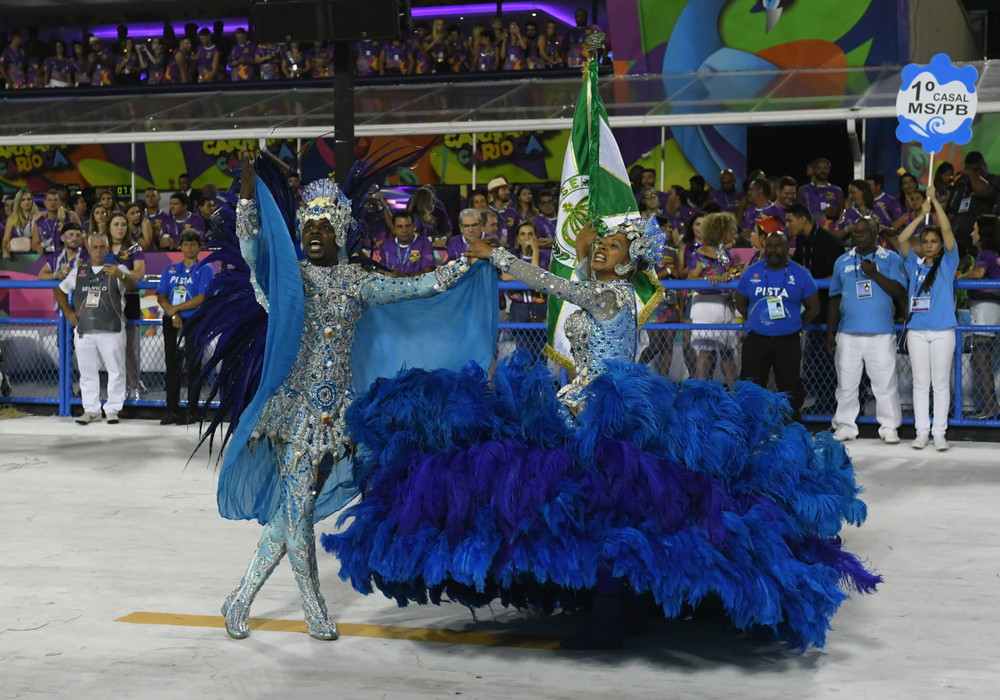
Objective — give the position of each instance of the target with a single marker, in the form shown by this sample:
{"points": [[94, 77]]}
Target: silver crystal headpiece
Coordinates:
{"points": [[646, 241], [322, 199]]}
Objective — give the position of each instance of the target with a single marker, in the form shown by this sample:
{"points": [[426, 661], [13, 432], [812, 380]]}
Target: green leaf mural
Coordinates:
{"points": [[658, 20], [101, 173]]}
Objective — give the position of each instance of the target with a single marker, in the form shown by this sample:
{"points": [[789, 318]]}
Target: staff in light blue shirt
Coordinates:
{"points": [[860, 333], [770, 296], [931, 322]]}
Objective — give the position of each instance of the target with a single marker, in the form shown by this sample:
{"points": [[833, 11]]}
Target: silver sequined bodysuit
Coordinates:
{"points": [[603, 328], [308, 409]]}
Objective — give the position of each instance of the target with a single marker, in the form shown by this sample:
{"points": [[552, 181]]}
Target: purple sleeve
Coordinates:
{"points": [[197, 223], [426, 255], [988, 260]]}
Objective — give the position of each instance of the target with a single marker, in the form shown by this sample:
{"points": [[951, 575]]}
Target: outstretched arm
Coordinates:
{"points": [[595, 297], [248, 225], [382, 289]]}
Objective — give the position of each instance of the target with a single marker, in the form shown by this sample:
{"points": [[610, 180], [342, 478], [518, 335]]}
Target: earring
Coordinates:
{"points": [[622, 270]]}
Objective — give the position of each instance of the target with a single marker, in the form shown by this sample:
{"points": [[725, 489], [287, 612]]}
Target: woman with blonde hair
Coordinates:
{"points": [[710, 262], [20, 223], [139, 229], [428, 219]]}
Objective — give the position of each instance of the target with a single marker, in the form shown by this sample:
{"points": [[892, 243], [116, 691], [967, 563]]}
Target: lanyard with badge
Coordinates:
{"points": [[94, 295], [775, 306], [180, 292], [402, 255], [864, 287], [919, 302]]}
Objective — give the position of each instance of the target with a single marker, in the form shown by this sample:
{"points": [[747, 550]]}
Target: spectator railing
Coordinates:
{"points": [[40, 361]]}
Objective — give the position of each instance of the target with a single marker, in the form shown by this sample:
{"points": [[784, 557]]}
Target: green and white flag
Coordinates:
{"points": [[595, 184]]}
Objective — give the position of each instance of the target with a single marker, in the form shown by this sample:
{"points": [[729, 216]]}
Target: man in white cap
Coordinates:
{"points": [[498, 198]]}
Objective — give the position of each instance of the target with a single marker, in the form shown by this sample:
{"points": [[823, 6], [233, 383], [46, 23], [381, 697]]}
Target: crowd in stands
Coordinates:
{"points": [[715, 235], [210, 55]]}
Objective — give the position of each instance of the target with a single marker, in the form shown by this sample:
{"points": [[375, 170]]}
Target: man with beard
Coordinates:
{"points": [[819, 195], [507, 218], [73, 253], [727, 196], [769, 296]]}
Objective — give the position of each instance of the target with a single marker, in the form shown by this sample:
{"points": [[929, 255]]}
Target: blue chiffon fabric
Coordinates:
{"points": [[476, 489], [447, 331]]}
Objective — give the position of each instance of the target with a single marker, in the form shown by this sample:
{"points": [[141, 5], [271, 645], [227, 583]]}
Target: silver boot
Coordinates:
{"points": [[302, 555], [271, 548]]}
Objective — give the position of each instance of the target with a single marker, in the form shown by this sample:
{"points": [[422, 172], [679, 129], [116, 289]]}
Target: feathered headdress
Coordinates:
{"points": [[646, 242]]}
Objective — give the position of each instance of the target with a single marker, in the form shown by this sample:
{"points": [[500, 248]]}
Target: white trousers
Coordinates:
{"points": [[932, 355], [90, 350], [875, 353]]}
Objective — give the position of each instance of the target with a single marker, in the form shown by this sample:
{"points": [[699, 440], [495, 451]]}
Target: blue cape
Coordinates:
{"points": [[446, 331]]}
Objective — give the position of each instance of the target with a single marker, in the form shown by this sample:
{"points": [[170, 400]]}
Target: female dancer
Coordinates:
{"points": [[505, 489]]}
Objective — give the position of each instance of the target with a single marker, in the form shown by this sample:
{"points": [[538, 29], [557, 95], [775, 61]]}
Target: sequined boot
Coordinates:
{"points": [[302, 555], [271, 548]]}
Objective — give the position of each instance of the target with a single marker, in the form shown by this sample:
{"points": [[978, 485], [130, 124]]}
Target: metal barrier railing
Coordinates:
{"points": [[40, 360]]}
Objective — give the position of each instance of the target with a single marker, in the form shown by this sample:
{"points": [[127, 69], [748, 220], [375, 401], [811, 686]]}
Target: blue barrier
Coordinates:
{"points": [[527, 334]]}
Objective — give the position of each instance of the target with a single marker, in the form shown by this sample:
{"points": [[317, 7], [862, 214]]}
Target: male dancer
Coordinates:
{"points": [[297, 420]]}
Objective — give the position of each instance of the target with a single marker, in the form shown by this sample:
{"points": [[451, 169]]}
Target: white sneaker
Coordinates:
{"points": [[940, 444], [890, 438], [111, 417], [921, 442], [842, 435], [88, 417]]}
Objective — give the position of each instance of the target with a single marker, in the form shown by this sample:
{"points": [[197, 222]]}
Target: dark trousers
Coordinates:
{"points": [[172, 351], [781, 353]]}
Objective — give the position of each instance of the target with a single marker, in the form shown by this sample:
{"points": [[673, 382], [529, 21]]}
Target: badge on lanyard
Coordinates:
{"points": [[864, 289], [918, 304], [93, 298], [775, 308], [179, 296], [964, 205]]}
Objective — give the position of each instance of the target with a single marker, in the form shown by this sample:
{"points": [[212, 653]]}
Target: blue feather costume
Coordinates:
{"points": [[477, 488]]}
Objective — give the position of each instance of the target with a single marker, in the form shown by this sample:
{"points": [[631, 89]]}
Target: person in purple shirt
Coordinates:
{"points": [[180, 218], [649, 180], [546, 221], [156, 218], [759, 205], [268, 57], [488, 57], [59, 264], [863, 206], [407, 253], [100, 63], [396, 58], [470, 222], [367, 54], [209, 61], [528, 306], [572, 41], [58, 67], [498, 198], [241, 58], [320, 60], [819, 194], [12, 63], [891, 205], [727, 196], [984, 304]]}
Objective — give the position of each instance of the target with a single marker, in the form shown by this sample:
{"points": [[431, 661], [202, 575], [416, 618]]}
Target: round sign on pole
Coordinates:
{"points": [[936, 104]]}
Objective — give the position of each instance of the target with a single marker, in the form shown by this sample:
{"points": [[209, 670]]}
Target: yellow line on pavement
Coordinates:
{"points": [[347, 629]]}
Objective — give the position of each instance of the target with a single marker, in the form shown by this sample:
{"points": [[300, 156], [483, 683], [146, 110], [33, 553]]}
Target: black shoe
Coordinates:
{"points": [[168, 419], [606, 629]]}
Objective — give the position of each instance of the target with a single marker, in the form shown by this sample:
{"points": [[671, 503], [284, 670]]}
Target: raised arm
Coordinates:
{"points": [[596, 297], [382, 289], [248, 224], [947, 235], [904, 237]]}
